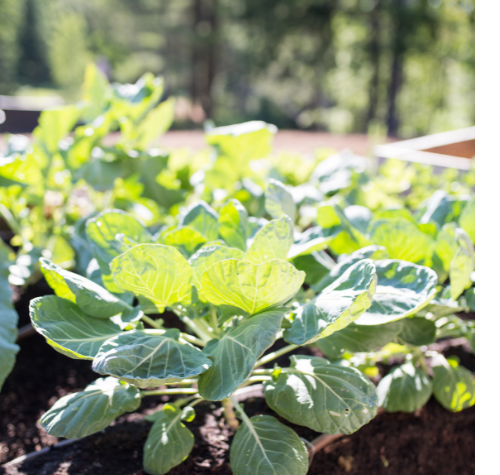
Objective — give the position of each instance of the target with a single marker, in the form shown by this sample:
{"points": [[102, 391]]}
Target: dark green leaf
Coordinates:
{"points": [[454, 385], [405, 389], [236, 353], [335, 307], [418, 331], [91, 410], [169, 441], [150, 359], [322, 396], [67, 329], [264, 446]]}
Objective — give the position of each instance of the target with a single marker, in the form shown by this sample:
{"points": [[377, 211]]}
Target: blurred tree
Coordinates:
{"points": [[11, 16], [401, 66]]}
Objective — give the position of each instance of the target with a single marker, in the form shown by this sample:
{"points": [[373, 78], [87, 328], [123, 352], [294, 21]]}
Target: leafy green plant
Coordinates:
{"points": [[236, 303]]}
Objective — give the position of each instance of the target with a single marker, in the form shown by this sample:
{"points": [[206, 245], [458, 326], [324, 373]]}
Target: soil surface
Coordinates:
{"points": [[431, 441]]}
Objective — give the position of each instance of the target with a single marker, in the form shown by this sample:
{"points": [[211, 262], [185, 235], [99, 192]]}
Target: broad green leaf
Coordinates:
{"points": [[403, 289], [264, 446], [8, 316], [453, 385], [150, 359], [336, 306], [94, 92], [100, 174], [346, 261], [470, 298], [186, 240], [350, 238], [446, 245], [359, 338], [403, 240], [325, 397], [405, 389], [102, 232], [54, 125], [316, 266], [155, 124], [203, 219], [395, 213], [156, 272], [89, 411], [279, 200], [462, 265], [242, 142], [251, 287], [467, 220], [67, 329], [437, 208], [418, 331], [359, 217], [273, 241], [208, 256], [236, 353], [169, 441], [233, 224], [442, 304], [313, 239], [92, 299]]}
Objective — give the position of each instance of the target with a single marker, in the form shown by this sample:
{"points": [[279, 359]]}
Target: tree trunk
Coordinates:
{"points": [[374, 52], [396, 81]]}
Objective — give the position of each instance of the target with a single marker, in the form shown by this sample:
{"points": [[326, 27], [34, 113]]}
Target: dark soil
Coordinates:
{"points": [[431, 441]]}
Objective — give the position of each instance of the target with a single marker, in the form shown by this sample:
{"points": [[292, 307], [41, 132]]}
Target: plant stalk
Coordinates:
{"points": [[167, 392], [275, 354], [229, 414]]}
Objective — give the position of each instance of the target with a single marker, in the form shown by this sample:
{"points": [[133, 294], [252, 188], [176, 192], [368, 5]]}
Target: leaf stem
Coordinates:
{"points": [[215, 323], [229, 414], [241, 412], [152, 322], [165, 392], [192, 339], [195, 328], [275, 354]]}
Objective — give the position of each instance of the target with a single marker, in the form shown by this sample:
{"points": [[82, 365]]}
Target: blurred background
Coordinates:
{"points": [[401, 68]]}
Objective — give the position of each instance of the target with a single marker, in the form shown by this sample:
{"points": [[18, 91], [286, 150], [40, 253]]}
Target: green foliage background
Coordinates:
{"points": [[405, 67]]}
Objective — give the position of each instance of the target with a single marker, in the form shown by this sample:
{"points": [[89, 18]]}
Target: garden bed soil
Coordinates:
{"points": [[431, 441]]}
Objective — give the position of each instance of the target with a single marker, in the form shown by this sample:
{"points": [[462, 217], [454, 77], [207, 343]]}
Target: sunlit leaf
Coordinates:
{"points": [[200, 217], [233, 224], [462, 265], [92, 299], [403, 289], [402, 240], [279, 200], [273, 241], [102, 233], [156, 272], [344, 301], [251, 287], [186, 240], [454, 385], [208, 256]]}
